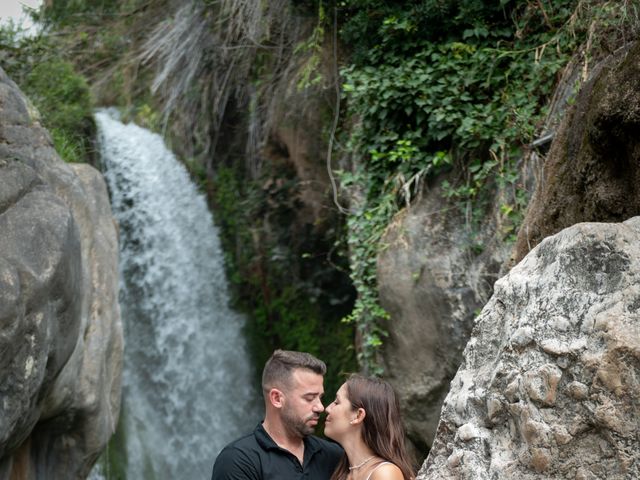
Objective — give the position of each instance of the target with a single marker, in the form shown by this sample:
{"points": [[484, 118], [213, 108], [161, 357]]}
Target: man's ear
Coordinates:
{"points": [[276, 398]]}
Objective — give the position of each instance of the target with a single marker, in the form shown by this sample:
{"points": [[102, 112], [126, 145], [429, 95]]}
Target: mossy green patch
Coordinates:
{"points": [[113, 460]]}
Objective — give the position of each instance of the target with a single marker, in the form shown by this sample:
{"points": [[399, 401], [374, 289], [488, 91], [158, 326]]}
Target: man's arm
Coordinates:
{"points": [[235, 464]]}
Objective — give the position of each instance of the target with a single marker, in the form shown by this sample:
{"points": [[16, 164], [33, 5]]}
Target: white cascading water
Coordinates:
{"points": [[188, 386]]}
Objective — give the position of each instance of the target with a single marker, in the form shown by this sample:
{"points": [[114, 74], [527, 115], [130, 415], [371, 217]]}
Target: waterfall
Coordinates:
{"points": [[188, 386]]}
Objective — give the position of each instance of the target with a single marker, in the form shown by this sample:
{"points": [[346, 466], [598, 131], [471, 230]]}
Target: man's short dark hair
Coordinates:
{"points": [[279, 368]]}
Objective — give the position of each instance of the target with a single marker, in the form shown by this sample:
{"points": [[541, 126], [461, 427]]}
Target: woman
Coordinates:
{"points": [[365, 419]]}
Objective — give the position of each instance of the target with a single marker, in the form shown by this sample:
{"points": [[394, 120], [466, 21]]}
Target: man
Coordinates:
{"points": [[282, 446]]}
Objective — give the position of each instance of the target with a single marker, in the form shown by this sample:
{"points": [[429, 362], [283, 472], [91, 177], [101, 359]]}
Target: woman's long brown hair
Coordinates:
{"points": [[382, 428]]}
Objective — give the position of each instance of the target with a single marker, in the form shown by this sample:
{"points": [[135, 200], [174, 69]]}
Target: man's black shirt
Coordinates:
{"points": [[257, 457]]}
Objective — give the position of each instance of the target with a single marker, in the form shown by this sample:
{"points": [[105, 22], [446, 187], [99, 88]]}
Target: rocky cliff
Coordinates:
{"points": [[549, 383], [60, 332], [432, 282]]}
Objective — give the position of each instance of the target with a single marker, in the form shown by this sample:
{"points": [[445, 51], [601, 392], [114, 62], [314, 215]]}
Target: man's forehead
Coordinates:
{"points": [[307, 380]]}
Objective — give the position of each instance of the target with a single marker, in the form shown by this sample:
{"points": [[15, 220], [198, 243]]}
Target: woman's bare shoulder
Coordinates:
{"points": [[388, 471]]}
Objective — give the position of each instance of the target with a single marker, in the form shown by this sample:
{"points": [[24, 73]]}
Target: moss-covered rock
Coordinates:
{"points": [[592, 171]]}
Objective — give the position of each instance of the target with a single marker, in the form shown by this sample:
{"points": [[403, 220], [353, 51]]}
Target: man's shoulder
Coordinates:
{"points": [[246, 443], [239, 459]]}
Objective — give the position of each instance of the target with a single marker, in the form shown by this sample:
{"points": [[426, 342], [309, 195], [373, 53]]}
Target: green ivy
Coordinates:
{"points": [[460, 85], [310, 75], [66, 12]]}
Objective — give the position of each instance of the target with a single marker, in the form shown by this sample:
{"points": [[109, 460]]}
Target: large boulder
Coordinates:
{"points": [[60, 331], [550, 381]]}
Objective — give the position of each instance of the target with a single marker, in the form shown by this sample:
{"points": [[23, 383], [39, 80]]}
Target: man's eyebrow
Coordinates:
{"points": [[307, 394]]}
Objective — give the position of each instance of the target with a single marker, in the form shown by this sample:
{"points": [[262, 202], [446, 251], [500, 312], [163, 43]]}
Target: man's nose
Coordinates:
{"points": [[318, 407]]}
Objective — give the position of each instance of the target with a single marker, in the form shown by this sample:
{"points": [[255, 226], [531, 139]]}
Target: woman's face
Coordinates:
{"points": [[339, 415]]}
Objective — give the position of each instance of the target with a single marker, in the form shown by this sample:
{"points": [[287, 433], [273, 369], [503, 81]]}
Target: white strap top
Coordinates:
{"points": [[377, 466]]}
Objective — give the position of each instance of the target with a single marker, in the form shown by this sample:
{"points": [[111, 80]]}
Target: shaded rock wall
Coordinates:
{"points": [[592, 172], [60, 332], [550, 379], [431, 282], [295, 142]]}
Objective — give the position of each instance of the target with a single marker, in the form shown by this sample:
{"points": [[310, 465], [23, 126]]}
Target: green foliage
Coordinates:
{"points": [[376, 26], [145, 115], [102, 39], [63, 99], [365, 231], [294, 296], [65, 12], [458, 85], [61, 95]]}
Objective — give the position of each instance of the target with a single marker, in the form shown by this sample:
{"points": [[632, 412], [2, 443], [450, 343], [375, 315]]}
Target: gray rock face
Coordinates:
{"points": [[431, 282], [60, 330], [550, 381]]}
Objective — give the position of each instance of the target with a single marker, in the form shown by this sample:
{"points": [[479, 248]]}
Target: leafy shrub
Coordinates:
{"points": [[61, 95], [65, 12], [63, 99]]}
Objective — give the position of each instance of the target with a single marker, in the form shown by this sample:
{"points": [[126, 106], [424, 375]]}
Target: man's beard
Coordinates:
{"points": [[297, 425]]}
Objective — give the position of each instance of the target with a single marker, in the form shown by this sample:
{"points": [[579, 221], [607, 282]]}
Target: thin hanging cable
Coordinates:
{"points": [[336, 116]]}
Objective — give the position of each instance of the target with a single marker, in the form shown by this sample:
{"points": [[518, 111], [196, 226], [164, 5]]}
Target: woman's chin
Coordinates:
{"points": [[327, 432]]}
